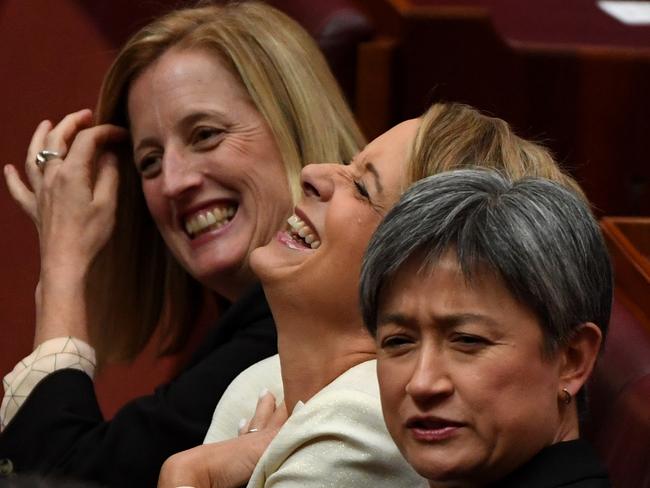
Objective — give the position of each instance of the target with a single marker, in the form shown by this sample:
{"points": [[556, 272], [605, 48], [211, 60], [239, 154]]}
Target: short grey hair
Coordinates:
{"points": [[538, 236]]}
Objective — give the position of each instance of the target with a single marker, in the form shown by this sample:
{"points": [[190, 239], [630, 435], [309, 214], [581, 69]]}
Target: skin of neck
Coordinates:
{"points": [[314, 348], [568, 427], [231, 286]]}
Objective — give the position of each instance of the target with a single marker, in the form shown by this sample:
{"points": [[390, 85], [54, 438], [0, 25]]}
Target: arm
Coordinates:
{"points": [[226, 464], [239, 401], [73, 207], [341, 438], [130, 449]]}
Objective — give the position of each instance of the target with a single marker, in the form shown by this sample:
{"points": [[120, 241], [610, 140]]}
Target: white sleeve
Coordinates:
{"points": [[50, 356], [240, 398], [339, 440]]}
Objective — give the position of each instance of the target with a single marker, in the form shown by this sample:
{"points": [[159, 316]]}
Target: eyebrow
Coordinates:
{"points": [[395, 318], [445, 322], [187, 121], [193, 117], [371, 168]]}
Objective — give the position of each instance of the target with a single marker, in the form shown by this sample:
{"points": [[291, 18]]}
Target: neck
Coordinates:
{"points": [[568, 428], [315, 349], [231, 285]]}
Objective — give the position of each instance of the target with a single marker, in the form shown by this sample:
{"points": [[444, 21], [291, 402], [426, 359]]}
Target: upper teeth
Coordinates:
{"points": [[299, 228], [209, 219]]}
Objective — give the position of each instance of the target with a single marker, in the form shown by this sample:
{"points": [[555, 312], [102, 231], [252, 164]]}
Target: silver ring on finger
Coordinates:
{"points": [[42, 157]]}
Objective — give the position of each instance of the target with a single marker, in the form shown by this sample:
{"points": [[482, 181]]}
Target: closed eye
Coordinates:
{"points": [[362, 190]]}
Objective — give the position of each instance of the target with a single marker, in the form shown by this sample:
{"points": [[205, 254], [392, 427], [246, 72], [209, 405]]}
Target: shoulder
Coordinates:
{"points": [[348, 409], [240, 398], [339, 435]]}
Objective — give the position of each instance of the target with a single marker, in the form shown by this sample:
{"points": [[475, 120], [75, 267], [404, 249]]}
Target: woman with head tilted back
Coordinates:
{"points": [[489, 300], [222, 105], [336, 433]]}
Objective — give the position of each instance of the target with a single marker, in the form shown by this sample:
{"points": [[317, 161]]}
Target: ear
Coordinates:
{"points": [[579, 357]]}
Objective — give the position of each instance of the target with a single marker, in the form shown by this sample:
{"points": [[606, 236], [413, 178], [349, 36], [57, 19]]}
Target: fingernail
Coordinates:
{"points": [[298, 406], [241, 424], [264, 392]]}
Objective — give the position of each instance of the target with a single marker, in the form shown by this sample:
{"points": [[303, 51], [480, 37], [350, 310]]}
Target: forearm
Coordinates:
{"points": [[61, 303]]}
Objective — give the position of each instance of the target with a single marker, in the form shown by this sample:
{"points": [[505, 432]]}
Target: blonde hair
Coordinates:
{"points": [[139, 286], [453, 135]]}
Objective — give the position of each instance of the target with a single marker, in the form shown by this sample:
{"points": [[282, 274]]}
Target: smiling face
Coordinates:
{"points": [[212, 174], [319, 253], [466, 391]]}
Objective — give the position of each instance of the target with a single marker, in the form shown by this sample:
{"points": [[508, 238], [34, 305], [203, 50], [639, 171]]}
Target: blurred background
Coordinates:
{"points": [[562, 72]]}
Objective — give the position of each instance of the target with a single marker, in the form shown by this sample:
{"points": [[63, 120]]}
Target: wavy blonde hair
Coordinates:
{"points": [[454, 135], [136, 285]]}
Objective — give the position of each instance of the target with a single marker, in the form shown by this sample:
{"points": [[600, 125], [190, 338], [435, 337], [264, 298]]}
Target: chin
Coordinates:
{"points": [[274, 262], [443, 468], [257, 260]]}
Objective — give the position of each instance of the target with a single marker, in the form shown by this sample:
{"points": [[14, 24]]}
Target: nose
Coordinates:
{"points": [[316, 180], [180, 175], [431, 379]]}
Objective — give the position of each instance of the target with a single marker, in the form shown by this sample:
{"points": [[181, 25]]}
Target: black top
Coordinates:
{"points": [[60, 429], [565, 464]]}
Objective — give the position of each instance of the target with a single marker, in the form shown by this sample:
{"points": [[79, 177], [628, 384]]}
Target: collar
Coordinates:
{"points": [[250, 311], [560, 464]]}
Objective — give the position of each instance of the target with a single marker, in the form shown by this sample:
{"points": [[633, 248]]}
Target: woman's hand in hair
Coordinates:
{"points": [[72, 201]]}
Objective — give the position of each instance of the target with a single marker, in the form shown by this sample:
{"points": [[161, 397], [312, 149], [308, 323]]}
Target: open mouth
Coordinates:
{"points": [[431, 429], [302, 233], [208, 220]]}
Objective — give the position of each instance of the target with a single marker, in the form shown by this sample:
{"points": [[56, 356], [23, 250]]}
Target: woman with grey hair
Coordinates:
{"points": [[489, 300], [326, 372]]}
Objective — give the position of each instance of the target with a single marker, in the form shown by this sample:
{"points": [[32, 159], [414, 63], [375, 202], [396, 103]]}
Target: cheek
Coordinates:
{"points": [[356, 227], [267, 179], [271, 197], [509, 396], [156, 202], [392, 386]]}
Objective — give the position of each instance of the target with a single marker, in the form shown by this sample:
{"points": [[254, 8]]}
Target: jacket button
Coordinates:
{"points": [[6, 467]]}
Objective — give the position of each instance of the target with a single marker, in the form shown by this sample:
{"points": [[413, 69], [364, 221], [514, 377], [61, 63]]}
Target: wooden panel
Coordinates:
{"points": [[628, 240], [581, 91], [374, 69]]}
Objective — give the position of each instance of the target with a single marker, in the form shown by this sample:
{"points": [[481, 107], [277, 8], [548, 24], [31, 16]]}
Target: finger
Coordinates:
{"points": [[88, 143], [244, 425], [279, 417], [36, 144], [61, 136], [19, 192], [263, 411], [107, 180]]}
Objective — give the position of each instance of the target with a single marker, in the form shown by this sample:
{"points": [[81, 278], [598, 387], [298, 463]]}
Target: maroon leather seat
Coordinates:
{"points": [[619, 401]]}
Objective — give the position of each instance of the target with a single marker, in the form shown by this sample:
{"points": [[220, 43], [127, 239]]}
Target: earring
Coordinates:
{"points": [[566, 396]]}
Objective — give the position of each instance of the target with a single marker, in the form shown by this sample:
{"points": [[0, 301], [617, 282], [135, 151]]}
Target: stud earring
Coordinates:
{"points": [[566, 396]]}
